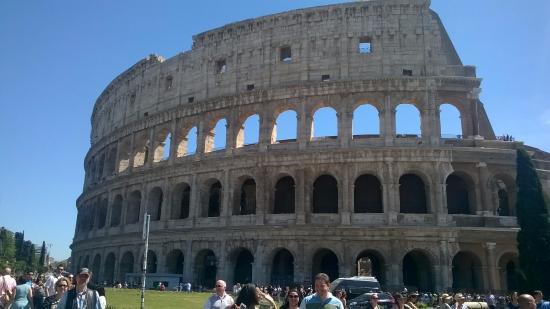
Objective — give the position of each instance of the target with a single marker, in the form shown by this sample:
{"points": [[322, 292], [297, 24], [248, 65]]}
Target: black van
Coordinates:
{"points": [[355, 286]]}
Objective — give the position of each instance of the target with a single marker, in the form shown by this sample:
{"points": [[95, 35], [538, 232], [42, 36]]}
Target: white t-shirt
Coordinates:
{"points": [[49, 285]]}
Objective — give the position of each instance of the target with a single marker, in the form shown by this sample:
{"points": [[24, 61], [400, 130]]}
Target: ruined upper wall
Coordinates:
{"points": [[405, 37]]}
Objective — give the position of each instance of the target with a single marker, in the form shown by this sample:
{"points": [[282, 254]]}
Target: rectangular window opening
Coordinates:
{"points": [[221, 66], [190, 99], [407, 72], [365, 46], [286, 54], [250, 87], [325, 77]]}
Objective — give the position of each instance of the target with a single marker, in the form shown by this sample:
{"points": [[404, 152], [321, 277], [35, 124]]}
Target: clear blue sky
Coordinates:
{"points": [[57, 56]]}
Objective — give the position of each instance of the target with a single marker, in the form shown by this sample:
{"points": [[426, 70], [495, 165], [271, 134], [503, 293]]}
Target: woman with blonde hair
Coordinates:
{"points": [[62, 285]]}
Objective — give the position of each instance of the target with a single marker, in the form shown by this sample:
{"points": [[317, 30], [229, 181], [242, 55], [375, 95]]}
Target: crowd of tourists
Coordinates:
{"points": [[55, 289]]}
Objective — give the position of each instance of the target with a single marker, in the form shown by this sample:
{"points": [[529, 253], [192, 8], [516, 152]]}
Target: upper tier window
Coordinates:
{"points": [[286, 54], [221, 66], [365, 46]]}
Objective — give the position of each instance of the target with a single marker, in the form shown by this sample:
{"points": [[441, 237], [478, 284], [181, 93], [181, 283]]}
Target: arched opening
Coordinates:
{"points": [[141, 150], [285, 127], [110, 162], [154, 205], [116, 210], [101, 165], [450, 121], [371, 263], [162, 145], [412, 195], [458, 195], [132, 209], [96, 267], [102, 213], [247, 201], [174, 262], [109, 268], [407, 121], [284, 196], [249, 133], [205, 268], [124, 153], [325, 195], [188, 143], [325, 124], [282, 269], [126, 265], [181, 199], [151, 262], [213, 206], [417, 272], [216, 138], [467, 272], [366, 122], [510, 276], [367, 196], [243, 261], [325, 261], [504, 189]]}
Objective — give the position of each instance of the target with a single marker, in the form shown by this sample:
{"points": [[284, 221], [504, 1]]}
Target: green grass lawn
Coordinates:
{"points": [[130, 299]]}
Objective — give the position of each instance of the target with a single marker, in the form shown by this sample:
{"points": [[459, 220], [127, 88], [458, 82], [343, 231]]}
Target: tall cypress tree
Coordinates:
{"points": [[42, 259], [534, 235]]}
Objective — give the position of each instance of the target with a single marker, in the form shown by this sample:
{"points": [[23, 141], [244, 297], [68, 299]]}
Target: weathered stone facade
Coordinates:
{"points": [[430, 212]]}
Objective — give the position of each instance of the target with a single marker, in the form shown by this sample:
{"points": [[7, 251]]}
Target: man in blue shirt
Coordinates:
{"points": [[541, 303], [322, 299]]}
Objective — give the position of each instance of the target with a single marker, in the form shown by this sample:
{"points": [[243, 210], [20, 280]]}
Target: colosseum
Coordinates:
{"points": [[423, 210]]}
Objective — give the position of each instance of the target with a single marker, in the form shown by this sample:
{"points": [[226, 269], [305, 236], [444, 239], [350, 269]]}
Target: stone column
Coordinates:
{"points": [[194, 200], [107, 226], [492, 271], [123, 211], [439, 206], [264, 140], [261, 196], [305, 130], [344, 127], [300, 196], [470, 125], [391, 197], [231, 130], [226, 205], [117, 157], [151, 146], [174, 138], [301, 274], [486, 206], [395, 273], [344, 197], [131, 158], [445, 270], [259, 273], [388, 115], [222, 259], [188, 271], [165, 208]]}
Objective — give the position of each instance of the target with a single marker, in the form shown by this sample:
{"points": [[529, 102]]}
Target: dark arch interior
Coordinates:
{"points": [[325, 195], [367, 195], [503, 199], [243, 267], [284, 196], [412, 194], [247, 202], [102, 213], [109, 268], [467, 272], [174, 262], [132, 211], [151, 262], [206, 268], [154, 206], [282, 270], [325, 261], [126, 265], [457, 195], [116, 211], [214, 199], [181, 202], [370, 263], [96, 267], [417, 272]]}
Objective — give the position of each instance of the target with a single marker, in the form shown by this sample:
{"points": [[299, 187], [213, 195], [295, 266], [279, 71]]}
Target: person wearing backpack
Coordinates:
{"points": [[81, 297]]}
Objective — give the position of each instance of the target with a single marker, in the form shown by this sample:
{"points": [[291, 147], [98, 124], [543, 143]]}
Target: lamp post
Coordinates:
{"points": [[146, 238]]}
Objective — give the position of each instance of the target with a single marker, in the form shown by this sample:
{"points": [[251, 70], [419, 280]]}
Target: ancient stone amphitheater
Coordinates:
{"points": [[426, 210]]}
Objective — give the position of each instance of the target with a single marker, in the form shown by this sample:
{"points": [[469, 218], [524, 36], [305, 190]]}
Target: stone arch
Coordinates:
{"points": [[405, 126], [412, 194], [460, 193], [187, 143], [242, 261], [154, 203], [285, 127], [450, 121], [162, 143], [141, 148], [245, 197], [109, 268], [367, 196], [152, 262], [211, 197], [101, 213], [325, 121], [249, 132], [366, 121], [282, 268], [325, 261], [116, 210], [101, 166], [124, 153], [174, 262], [211, 143], [96, 268], [510, 275], [504, 190], [325, 194], [181, 201], [133, 206], [418, 273], [110, 161], [467, 272], [206, 268], [284, 200], [126, 265], [371, 263]]}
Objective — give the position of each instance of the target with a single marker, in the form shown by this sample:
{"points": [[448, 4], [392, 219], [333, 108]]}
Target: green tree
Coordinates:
{"points": [[19, 240], [534, 235], [7, 248]]}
